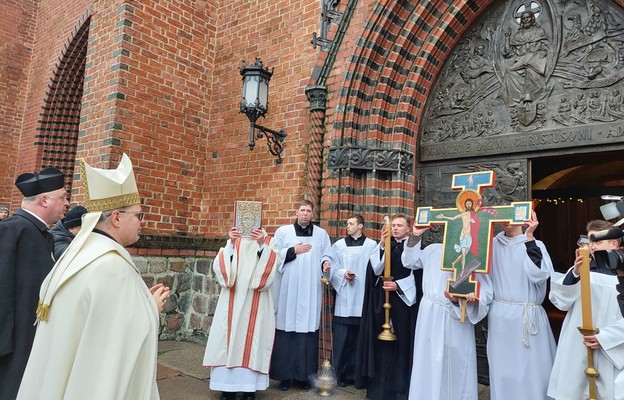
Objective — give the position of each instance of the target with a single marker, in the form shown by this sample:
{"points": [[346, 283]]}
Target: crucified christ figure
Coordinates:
{"points": [[469, 219]]}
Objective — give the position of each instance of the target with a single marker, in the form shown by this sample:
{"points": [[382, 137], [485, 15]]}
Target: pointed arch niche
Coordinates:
{"points": [[60, 117]]}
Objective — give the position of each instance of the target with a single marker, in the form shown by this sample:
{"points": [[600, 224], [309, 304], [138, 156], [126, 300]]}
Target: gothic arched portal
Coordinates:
{"points": [[533, 90]]}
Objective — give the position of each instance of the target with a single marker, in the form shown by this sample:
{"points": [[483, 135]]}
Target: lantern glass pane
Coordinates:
{"points": [[263, 93], [250, 89]]}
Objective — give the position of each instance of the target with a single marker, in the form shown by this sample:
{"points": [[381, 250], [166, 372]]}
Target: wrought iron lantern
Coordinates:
{"points": [[255, 104]]}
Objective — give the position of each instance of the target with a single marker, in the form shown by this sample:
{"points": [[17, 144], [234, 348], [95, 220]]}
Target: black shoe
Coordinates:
{"points": [[249, 395], [346, 382], [228, 396], [304, 385], [285, 385]]}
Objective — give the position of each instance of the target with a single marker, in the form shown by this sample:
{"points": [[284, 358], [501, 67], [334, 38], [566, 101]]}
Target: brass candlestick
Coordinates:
{"points": [[591, 371], [586, 310], [386, 333]]}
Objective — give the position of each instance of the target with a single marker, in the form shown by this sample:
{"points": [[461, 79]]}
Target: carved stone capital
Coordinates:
{"points": [[317, 96], [370, 159]]}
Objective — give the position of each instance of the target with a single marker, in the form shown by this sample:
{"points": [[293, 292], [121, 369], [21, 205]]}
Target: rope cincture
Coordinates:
{"points": [[530, 325]]}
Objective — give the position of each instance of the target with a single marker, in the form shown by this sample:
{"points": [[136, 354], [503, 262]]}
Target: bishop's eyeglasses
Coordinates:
{"points": [[140, 215]]}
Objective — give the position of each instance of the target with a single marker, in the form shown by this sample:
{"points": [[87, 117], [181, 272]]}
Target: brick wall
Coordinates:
{"points": [[279, 33], [17, 36], [162, 84], [148, 75], [55, 22]]}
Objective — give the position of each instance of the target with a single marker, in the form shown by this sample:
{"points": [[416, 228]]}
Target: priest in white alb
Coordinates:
{"points": [[243, 327], [306, 252]]}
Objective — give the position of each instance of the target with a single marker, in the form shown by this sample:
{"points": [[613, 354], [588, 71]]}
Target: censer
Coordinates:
{"points": [[326, 376]]}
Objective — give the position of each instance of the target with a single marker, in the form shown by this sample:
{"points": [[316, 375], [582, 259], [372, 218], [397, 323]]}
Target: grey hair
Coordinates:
{"points": [[105, 215]]}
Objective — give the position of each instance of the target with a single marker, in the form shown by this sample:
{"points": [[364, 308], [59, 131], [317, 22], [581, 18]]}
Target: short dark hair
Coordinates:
{"points": [[401, 215], [601, 225], [598, 225], [358, 217], [305, 202]]}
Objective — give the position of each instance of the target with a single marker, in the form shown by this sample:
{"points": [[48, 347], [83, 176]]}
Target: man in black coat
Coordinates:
{"points": [[384, 367], [26, 247]]}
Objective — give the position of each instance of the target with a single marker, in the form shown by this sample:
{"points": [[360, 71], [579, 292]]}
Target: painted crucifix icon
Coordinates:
{"points": [[468, 229]]}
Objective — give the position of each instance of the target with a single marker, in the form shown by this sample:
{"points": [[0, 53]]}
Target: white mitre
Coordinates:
{"points": [[105, 189], [109, 189]]}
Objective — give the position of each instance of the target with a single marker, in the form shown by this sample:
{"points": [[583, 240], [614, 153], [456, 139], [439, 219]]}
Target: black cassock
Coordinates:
{"points": [[26, 249], [384, 367]]}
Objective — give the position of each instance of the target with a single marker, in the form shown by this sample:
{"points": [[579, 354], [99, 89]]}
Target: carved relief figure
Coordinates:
{"points": [[478, 124], [595, 47], [525, 79], [580, 106], [576, 32], [597, 107], [599, 21], [491, 125], [477, 67], [510, 182], [564, 112], [529, 65], [615, 103]]}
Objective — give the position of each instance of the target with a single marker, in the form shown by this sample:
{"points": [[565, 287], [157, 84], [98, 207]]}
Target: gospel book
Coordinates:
{"points": [[247, 216]]}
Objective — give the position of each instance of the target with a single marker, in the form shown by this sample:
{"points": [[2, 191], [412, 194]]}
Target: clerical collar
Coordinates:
{"points": [[103, 233], [303, 231], [400, 240], [351, 241], [38, 217]]}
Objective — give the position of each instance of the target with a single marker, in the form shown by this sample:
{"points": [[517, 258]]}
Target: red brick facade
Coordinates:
{"points": [[17, 35], [161, 83]]}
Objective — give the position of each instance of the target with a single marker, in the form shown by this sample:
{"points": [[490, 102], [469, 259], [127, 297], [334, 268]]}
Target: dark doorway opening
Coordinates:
{"points": [[568, 191]]}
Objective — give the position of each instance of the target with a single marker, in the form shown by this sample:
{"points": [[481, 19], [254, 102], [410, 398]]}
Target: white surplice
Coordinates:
{"points": [[350, 296], [568, 380], [445, 360], [241, 336], [520, 344], [297, 286]]}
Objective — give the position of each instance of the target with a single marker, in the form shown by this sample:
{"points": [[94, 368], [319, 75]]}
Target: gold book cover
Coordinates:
{"points": [[247, 216]]}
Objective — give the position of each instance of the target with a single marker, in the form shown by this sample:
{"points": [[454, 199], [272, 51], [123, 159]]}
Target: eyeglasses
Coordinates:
{"points": [[139, 215]]}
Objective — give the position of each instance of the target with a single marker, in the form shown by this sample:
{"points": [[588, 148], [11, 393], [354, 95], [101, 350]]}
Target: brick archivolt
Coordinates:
{"points": [[400, 48]]}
